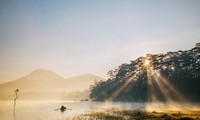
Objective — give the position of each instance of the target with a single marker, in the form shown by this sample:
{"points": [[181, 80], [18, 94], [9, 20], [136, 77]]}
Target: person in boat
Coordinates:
{"points": [[62, 108]]}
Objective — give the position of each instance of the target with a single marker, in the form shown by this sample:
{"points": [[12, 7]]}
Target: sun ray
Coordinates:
{"points": [[157, 82], [158, 87], [129, 79], [162, 88], [166, 85], [152, 96]]}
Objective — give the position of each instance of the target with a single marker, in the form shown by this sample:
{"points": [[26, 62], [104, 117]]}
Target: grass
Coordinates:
{"points": [[119, 114]]}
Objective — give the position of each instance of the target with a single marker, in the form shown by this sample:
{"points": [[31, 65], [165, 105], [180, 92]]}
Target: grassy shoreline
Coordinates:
{"points": [[119, 114]]}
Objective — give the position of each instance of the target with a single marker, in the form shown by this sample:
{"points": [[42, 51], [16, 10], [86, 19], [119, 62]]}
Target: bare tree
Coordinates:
{"points": [[16, 91]]}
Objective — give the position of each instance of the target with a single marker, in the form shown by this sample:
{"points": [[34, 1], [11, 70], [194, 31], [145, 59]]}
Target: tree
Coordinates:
{"points": [[112, 73], [16, 91]]}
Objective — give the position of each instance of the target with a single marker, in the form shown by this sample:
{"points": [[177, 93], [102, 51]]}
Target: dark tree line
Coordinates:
{"points": [[181, 69]]}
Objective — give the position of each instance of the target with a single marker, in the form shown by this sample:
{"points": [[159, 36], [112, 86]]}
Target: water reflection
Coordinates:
{"points": [[14, 115]]}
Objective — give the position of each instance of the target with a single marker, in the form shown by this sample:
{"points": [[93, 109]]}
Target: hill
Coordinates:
{"points": [[45, 84], [76, 83], [170, 77]]}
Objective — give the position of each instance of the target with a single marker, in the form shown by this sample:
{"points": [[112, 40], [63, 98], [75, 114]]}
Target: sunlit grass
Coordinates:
{"points": [[120, 114]]}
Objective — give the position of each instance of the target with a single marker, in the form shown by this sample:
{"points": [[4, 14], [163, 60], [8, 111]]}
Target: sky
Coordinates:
{"points": [[73, 37]]}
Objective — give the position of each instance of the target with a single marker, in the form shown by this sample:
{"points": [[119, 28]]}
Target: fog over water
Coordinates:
{"points": [[48, 110]]}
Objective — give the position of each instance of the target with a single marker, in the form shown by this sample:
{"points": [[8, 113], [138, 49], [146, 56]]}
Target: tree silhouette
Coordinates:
{"points": [[181, 70], [16, 91]]}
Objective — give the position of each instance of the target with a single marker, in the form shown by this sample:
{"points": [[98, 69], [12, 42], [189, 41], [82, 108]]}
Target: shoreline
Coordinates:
{"points": [[120, 114]]}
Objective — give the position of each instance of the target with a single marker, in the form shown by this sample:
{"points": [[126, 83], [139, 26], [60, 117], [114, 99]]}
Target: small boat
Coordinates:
{"points": [[63, 108]]}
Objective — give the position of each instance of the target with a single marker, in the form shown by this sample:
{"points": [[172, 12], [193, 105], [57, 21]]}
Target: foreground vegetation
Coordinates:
{"points": [[119, 114]]}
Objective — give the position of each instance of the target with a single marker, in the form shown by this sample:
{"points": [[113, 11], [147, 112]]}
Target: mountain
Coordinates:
{"points": [[45, 84], [76, 83], [169, 77]]}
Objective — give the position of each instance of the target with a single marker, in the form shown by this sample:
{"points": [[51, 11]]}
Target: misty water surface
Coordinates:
{"points": [[37, 110], [45, 110]]}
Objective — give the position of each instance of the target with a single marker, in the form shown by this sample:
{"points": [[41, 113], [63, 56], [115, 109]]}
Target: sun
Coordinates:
{"points": [[146, 62]]}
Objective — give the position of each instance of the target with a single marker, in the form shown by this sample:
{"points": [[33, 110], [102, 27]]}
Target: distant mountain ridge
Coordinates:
{"points": [[46, 82], [170, 77]]}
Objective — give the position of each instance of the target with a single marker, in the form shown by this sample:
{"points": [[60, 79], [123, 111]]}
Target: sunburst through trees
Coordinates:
{"points": [[154, 78]]}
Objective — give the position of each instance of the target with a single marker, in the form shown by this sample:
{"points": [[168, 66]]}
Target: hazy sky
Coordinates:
{"points": [[73, 37]]}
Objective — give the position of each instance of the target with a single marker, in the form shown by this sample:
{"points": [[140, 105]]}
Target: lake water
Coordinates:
{"points": [[43, 110], [49, 110]]}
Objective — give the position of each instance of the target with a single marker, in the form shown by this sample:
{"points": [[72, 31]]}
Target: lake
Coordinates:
{"points": [[41, 110], [49, 110]]}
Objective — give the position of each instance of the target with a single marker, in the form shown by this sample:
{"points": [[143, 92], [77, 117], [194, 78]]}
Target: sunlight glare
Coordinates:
{"points": [[146, 63]]}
